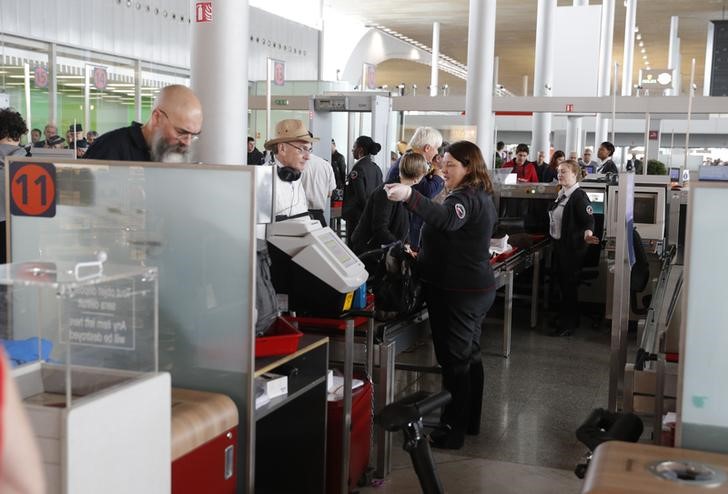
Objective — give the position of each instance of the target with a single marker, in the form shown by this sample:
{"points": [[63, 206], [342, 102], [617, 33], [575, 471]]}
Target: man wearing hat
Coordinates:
{"points": [[175, 122], [76, 138], [291, 148]]}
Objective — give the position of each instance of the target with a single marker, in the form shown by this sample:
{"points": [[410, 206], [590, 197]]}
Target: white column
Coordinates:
{"points": [[601, 127], [479, 88], [224, 98], [708, 74], [435, 58], [628, 57], [525, 85], [581, 3], [138, 90], [52, 85], [573, 135], [673, 56], [543, 74]]}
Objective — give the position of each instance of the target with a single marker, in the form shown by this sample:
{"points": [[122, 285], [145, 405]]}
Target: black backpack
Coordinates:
{"points": [[395, 284], [266, 301]]}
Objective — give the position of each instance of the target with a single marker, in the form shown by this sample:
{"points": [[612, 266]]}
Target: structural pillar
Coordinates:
{"points": [[543, 74], [52, 85], [601, 127], [224, 104], [479, 89], [525, 85], [574, 132], [708, 74], [138, 90], [435, 66], [673, 56], [628, 57], [581, 3]]}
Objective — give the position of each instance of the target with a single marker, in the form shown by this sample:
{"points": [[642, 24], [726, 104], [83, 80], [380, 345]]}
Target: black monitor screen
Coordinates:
{"points": [[675, 174], [644, 209], [589, 169]]}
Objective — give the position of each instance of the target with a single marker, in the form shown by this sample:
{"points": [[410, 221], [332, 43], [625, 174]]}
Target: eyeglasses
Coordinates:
{"points": [[181, 134], [301, 150]]}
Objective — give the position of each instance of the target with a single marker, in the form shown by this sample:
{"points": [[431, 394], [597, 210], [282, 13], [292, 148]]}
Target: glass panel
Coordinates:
{"points": [[202, 246]]}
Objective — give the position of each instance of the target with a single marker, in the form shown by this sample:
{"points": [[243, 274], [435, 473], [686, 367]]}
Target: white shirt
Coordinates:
{"points": [[557, 214], [318, 181], [290, 196]]}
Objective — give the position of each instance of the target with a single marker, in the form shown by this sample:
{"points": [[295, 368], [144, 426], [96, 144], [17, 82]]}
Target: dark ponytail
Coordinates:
{"points": [[368, 145]]}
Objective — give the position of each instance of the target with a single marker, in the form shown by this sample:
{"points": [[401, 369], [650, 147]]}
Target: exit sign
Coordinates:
{"points": [[280, 102], [569, 108]]}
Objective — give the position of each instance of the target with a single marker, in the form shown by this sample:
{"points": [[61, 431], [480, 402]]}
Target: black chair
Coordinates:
{"points": [[639, 277], [603, 425]]}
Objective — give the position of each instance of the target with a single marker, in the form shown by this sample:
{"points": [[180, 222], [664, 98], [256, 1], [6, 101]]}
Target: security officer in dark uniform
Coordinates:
{"points": [[572, 228], [604, 153], [365, 177], [458, 282]]}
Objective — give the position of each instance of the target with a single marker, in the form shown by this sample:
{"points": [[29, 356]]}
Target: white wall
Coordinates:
{"points": [[577, 33]]}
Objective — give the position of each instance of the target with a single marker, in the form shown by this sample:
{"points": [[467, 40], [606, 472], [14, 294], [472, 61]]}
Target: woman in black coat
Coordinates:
{"points": [[384, 221], [572, 229], [363, 180], [458, 282]]}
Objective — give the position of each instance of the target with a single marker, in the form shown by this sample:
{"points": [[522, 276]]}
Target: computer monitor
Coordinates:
{"points": [[589, 169]]}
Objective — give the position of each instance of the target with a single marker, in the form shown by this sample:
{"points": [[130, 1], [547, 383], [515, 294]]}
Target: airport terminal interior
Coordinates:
{"points": [[333, 246]]}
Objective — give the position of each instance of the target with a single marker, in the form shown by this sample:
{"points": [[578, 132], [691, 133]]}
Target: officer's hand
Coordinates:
{"points": [[590, 238], [398, 192]]}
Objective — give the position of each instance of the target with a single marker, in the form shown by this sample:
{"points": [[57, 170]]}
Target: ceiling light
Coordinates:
{"points": [[636, 29], [643, 50], [644, 57], [639, 37], [642, 43]]}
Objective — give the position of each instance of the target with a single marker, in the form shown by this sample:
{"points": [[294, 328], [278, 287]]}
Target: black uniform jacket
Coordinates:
{"points": [[577, 218], [338, 163], [454, 248], [124, 144], [383, 222], [608, 167], [363, 180]]}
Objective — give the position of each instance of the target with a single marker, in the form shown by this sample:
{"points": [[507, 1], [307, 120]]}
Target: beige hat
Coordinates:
{"points": [[289, 130]]}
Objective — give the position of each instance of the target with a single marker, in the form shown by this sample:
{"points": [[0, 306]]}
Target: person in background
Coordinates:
{"points": [[550, 173], [91, 136], [255, 157], [12, 129], [318, 183], [383, 221], [81, 146], [525, 170], [56, 142], [35, 137], [541, 164], [431, 186], [574, 156], [21, 470], [424, 141], [338, 163], [604, 153], [291, 150], [174, 124], [572, 229], [587, 160], [364, 178], [458, 282], [76, 131], [49, 131], [500, 154]]}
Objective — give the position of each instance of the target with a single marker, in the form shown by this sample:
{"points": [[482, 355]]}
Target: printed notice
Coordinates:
{"points": [[103, 316]]}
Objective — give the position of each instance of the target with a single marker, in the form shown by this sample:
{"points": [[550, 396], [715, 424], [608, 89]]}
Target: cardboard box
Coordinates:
{"points": [[275, 384]]}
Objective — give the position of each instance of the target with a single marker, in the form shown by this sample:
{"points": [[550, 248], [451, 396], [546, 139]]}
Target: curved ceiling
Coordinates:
{"points": [[516, 34]]}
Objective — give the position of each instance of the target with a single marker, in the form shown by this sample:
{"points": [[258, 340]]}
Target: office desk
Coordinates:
{"points": [[290, 430]]}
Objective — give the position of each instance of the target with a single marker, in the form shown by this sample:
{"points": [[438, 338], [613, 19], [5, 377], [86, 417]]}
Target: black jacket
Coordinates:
{"points": [[255, 157], [383, 222], [577, 218], [338, 163], [363, 180], [454, 247], [124, 144], [608, 167]]}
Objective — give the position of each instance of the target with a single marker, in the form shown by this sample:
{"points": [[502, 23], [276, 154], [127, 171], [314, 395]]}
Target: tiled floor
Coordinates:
{"points": [[534, 402]]}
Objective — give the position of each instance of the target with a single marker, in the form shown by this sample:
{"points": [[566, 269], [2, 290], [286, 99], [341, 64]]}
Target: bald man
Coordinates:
{"points": [[175, 122]]}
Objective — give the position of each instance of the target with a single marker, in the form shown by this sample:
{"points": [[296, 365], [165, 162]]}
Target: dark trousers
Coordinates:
{"points": [[568, 265], [455, 321]]}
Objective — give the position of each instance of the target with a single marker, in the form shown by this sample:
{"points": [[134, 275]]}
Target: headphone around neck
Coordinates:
{"points": [[288, 174]]}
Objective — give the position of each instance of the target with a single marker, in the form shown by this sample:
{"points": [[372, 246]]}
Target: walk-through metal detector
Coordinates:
{"points": [[369, 114]]}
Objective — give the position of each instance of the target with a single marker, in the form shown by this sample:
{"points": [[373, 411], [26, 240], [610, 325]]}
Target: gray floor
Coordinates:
{"points": [[534, 401]]}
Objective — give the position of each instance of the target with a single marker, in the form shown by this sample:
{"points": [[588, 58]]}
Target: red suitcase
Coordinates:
{"points": [[204, 438], [361, 437]]}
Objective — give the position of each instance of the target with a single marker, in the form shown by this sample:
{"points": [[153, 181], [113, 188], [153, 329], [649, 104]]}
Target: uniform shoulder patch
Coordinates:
{"points": [[460, 211], [589, 209], [353, 175]]}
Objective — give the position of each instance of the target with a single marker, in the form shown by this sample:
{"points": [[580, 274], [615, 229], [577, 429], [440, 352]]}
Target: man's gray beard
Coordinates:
{"points": [[163, 152]]}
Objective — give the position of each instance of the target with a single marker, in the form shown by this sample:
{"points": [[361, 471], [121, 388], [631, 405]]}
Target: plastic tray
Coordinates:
{"points": [[281, 339]]}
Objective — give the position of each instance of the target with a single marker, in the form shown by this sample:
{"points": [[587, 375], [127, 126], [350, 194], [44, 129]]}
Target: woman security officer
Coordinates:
{"points": [[458, 282], [571, 227]]}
